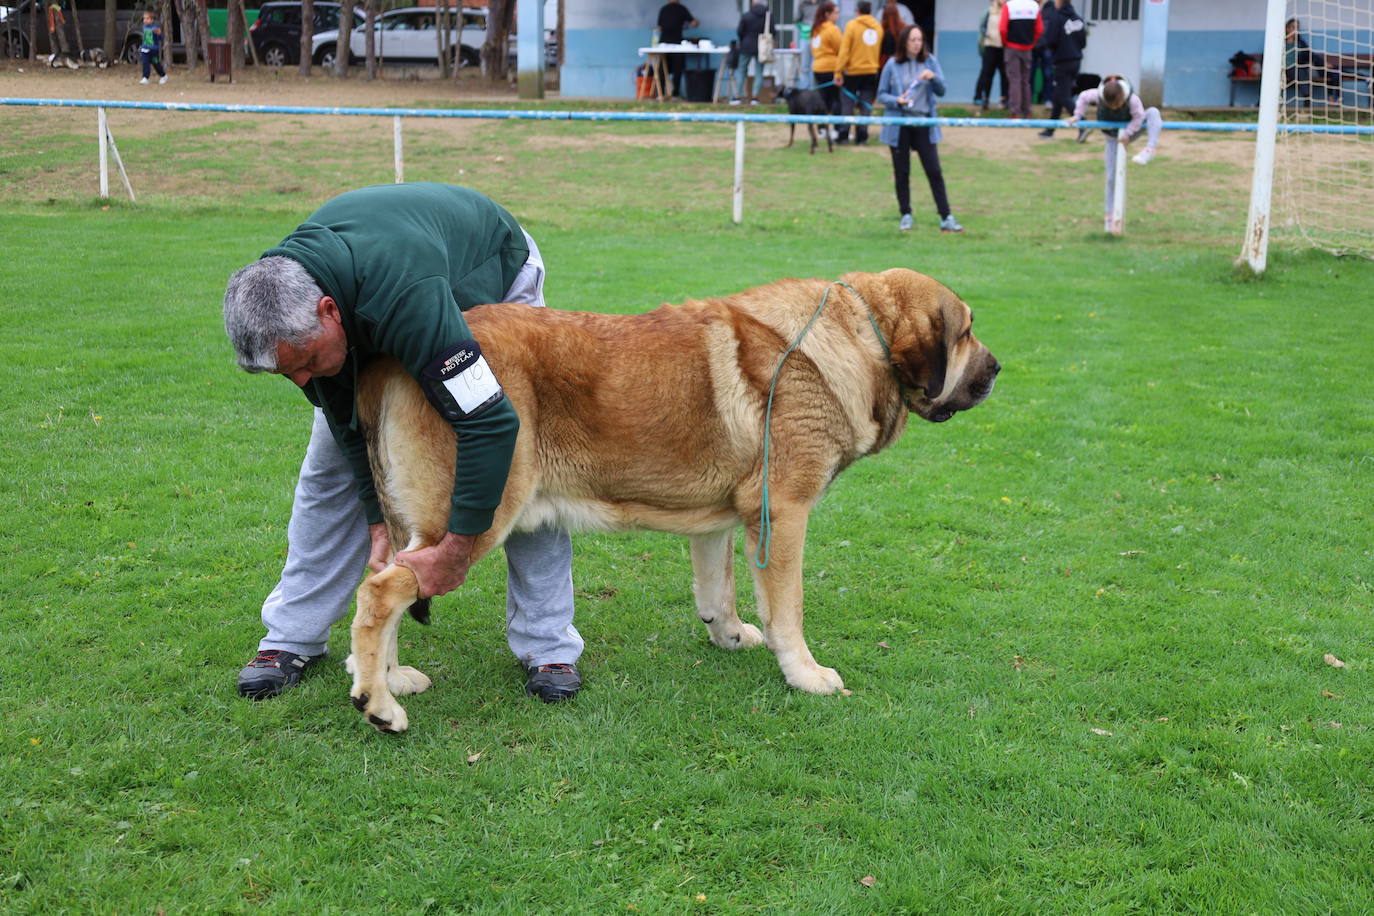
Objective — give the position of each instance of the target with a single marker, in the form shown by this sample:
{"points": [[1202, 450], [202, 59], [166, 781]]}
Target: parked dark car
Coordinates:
{"points": [[90, 14], [277, 33]]}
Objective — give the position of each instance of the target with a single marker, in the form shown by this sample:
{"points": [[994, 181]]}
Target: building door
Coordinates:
{"points": [[1113, 37]]}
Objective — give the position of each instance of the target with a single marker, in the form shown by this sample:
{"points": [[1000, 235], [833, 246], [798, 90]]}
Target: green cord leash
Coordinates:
{"points": [[761, 553]]}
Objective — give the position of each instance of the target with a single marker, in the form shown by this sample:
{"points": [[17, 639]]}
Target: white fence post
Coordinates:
{"points": [[400, 162], [1255, 250], [739, 172], [104, 153], [1117, 222]]}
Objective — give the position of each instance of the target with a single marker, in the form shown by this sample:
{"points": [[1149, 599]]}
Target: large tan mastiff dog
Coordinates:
{"points": [[658, 421]]}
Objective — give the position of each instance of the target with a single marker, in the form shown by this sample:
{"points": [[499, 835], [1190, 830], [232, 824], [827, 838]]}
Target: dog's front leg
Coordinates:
{"points": [[713, 586], [778, 591], [382, 600]]}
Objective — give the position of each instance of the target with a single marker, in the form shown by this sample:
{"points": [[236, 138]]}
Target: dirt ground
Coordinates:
{"points": [[318, 137], [421, 87]]}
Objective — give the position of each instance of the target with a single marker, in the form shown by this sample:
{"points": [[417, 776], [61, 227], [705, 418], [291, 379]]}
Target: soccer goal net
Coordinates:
{"points": [[1321, 61]]}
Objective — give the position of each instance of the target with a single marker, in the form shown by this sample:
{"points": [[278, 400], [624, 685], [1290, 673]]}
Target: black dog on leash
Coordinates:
{"points": [[806, 102]]}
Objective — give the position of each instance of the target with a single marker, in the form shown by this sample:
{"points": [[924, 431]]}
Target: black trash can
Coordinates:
{"points": [[698, 85], [220, 62]]}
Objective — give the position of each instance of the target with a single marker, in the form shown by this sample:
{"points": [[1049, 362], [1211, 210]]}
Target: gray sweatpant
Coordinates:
{"points": [[328, 546]]}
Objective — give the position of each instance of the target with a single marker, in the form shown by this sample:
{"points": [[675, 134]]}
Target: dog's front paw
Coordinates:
{"points": [[384, 713], [748, 637], [404, 679], [739, 636], [816, 679]]}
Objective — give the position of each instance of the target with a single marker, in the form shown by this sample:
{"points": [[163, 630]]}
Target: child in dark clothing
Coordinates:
{"points": [[150, 52]]}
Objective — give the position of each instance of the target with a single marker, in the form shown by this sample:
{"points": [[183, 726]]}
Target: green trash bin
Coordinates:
{"points": [[220, 61]]}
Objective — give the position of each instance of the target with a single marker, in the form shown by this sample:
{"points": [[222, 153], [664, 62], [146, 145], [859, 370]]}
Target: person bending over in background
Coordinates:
{"points": [[1116, 102], [908, 87], [672, 19]]}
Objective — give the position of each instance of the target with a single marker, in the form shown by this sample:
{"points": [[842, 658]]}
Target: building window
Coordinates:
{"points": [[1115, 11]]}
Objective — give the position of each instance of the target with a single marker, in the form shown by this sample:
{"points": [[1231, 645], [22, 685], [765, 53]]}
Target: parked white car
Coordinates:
{"points": [[410, 34]]}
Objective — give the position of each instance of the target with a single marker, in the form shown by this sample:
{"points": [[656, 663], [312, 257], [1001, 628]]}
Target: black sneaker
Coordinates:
{"points": [[1083, 135], [552, 683], [1046, 134], [273, 671]]}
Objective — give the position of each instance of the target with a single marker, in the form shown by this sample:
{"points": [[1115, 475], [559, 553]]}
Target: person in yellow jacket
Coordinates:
{"points": [[825, 52], [856, 69]]}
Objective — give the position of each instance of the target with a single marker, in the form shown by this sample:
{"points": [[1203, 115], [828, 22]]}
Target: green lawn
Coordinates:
{"points": [[1084, 624]]}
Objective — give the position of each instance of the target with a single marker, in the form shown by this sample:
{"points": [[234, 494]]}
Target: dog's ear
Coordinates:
{"points": [[923, 363], [920, 349]]}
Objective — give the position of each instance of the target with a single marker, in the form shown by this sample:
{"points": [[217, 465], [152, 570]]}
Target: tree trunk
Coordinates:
{"points": [[34, 13], [108, 39], [76, 27], [342, 51], [166, 17], [441, 31], [370, 38], [189, 36], [500, 16], [458, 44], [203, 27], [307, 34], [252, 48], [234, 32]]}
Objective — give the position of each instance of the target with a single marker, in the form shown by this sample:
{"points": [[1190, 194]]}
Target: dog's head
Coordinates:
{"points": [[941, 367]]}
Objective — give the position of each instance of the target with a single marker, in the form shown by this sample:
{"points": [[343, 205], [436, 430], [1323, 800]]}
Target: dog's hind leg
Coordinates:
{"points": [[713, 585], [382, 600], [778, 590]]}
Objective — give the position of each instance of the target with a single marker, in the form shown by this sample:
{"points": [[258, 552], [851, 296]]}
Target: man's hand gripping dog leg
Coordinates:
{"points": [[442, 567]]}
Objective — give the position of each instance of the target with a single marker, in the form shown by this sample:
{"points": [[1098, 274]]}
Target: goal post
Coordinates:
{"points": [[1313, 181]]}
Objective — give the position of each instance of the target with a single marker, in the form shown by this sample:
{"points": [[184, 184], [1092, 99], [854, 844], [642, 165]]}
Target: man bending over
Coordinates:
{"points": [[390, 270]]}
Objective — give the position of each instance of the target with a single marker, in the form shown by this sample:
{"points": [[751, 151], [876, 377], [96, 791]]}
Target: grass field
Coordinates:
{"points": [[1084, 624]]}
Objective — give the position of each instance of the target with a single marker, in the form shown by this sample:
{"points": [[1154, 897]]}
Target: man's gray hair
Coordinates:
{"points": [[272, 300]]}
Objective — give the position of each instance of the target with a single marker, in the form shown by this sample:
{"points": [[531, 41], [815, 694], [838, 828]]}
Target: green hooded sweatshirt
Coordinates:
{"points": [[404, 262]]}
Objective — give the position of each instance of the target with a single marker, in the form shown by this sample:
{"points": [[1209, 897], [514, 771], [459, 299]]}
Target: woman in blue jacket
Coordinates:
{"points": [[908, 86]]}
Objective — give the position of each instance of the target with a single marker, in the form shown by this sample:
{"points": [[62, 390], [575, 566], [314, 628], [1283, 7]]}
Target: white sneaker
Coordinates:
{"points": [[162, 80], [734, 101], [143, 82], [1144, 156], [905, 224]]}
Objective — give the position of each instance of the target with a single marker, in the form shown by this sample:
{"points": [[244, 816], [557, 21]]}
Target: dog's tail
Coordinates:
{"points": [[420, 611]]}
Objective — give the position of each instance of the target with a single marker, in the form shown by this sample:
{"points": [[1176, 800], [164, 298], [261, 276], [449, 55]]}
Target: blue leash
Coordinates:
{"points": [[868, 105], [761, 553]]}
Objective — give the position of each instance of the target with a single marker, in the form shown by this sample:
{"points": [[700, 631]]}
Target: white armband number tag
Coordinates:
{"points": [[473, 386], [460, 383]]}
